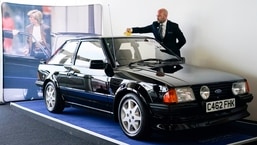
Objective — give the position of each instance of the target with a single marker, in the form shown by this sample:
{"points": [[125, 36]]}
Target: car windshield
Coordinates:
{"points": [[132, 50]]}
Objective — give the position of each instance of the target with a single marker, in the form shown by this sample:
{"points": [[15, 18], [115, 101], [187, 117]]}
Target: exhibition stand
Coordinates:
{"points": [[102, 129], [20, 73]]}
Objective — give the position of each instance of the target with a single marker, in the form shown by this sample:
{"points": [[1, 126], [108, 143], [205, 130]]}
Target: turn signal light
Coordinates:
{"points": [[170, 97]]}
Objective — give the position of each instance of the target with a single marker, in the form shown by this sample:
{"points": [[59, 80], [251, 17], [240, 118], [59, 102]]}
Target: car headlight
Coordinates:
{"points": [[179, 95], [240, 88]]}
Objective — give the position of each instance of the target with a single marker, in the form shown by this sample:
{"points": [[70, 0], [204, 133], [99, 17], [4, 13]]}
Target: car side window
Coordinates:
{"points": [[89, 50], [65, 54]]}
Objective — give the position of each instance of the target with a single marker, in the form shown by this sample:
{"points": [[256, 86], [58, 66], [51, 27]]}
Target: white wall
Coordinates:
{"points": [[220, 33]]}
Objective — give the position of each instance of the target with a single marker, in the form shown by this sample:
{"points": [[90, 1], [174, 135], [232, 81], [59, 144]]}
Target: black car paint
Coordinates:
{"points": [[187, 75], [93, 89]]}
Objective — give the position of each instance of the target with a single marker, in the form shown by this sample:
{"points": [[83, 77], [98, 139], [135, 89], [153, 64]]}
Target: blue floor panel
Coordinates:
{"points": [[104, 125]]}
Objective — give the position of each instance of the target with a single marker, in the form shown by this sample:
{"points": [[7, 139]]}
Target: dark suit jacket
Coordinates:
{"points": [[173, 39]]}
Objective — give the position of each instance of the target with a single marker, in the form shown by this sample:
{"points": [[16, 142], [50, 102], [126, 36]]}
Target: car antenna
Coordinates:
{"points": [[113, 49]]}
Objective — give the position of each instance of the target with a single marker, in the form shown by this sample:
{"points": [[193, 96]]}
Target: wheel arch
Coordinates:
{"points": [[52, 79], [130, 88]]}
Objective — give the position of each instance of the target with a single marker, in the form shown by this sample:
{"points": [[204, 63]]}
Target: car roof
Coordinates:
{"points": [[80, 34], [104, 36]]}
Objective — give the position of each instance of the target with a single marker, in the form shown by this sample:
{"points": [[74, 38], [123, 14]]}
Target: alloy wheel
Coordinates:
{"points": [[131, 116]]}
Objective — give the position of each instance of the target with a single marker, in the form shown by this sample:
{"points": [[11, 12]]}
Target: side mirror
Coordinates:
{"points": [[100, 64], [97, 64]]}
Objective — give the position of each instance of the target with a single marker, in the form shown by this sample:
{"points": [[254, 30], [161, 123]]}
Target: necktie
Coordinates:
{"points": [[161, 30]]}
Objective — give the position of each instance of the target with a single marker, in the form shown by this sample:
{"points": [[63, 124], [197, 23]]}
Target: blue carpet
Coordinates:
{"points": [[104, 124]]}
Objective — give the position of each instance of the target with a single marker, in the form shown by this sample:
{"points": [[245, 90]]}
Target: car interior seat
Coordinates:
{"points": [[124, 56]]}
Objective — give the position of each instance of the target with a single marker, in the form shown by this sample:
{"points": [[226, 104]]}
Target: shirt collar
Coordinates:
{"points": [[164, 23]]}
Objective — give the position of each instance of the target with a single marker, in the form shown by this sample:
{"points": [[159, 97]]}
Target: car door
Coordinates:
{"points": [[88, 86], [63, 58]]}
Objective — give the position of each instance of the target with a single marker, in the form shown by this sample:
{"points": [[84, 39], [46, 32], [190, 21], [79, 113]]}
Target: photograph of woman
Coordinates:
{"points": [[38, 34]]}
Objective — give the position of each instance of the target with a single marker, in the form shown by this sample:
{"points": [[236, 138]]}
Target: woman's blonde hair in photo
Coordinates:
{"points": [[36, 14]]}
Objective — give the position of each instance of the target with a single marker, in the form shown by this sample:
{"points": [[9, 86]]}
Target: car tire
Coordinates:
{"points": [[54, 102], [133, 117]]}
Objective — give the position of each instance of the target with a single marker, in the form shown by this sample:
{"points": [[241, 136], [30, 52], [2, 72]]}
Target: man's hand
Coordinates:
{"points": [[128, 32]]}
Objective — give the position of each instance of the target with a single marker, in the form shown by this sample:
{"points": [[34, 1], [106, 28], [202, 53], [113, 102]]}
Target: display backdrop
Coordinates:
{"points": [[58, 23]]}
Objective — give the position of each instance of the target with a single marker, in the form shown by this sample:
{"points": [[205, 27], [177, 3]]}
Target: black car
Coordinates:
{"points": [[142, 84]]}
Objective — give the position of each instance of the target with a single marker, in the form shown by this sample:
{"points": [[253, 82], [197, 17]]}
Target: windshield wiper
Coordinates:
{"points": [[159, 62], [143, 61]]}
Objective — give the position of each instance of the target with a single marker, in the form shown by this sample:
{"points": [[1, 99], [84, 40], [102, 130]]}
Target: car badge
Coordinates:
{"points": [[218, 91], [205, 92]]}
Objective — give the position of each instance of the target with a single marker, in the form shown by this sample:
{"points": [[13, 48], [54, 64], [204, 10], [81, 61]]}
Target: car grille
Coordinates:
{"points": [[217, 90]]}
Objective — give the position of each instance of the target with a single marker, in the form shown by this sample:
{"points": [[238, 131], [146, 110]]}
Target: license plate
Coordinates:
{"points": [[220, 105]]}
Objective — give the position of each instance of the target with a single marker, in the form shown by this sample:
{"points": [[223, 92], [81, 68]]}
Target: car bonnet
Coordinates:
{"points": [[182, 75]]}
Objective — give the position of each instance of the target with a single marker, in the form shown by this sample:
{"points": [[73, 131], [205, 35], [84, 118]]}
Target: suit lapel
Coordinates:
{"points": [[156, 31]]}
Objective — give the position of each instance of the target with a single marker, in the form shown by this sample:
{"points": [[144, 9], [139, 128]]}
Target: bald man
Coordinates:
{"points": [[170, 35]]}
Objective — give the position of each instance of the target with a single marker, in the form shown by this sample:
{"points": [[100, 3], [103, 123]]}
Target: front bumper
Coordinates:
{"points": [[193, 115]]}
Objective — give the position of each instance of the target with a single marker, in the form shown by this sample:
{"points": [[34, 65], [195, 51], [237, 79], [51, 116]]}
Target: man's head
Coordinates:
{"points": [[162, 15]]}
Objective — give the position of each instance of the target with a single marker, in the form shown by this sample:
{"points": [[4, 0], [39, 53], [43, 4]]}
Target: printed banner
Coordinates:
{"points": [[31, 34]]}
